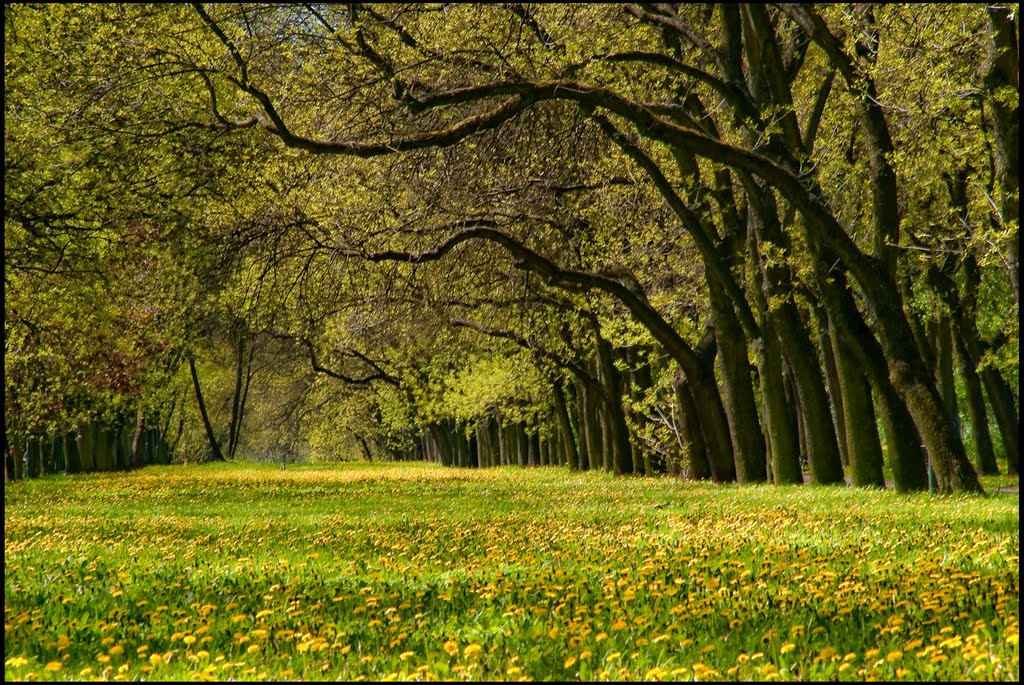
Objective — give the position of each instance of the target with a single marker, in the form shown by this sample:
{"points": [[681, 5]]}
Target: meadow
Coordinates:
{"points": [[415, 571]]}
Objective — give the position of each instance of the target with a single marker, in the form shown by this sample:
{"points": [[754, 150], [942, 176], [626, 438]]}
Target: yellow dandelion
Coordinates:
{"points": [[569, 662], [155, 658], [405, 655], [451, 647], [472, 649], [53, 666], [189, 639], [893, 655], [788, 647], [619, 625], [252, 649], [16, 661]]}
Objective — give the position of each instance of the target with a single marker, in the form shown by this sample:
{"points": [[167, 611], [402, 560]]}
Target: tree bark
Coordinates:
{"points": [[1001, 75], [138, 441], [72, 461], [981, 437], [826, 340], [863, 446], [1001, 399], [564, 426], [617, 435], [216, 454], [696, 465], [749, 450]]}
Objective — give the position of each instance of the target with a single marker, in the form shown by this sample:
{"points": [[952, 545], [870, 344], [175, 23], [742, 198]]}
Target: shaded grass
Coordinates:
{"points": [[417, 571]]}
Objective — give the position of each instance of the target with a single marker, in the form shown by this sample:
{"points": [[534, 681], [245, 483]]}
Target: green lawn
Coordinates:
{"points": [[415, 571]]}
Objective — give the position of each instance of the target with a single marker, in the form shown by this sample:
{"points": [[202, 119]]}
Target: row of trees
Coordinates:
{"points": [[711, 240]]}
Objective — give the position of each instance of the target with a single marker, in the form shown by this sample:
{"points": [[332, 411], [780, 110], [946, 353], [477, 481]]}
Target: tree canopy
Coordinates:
{"points": [[717, 241]]}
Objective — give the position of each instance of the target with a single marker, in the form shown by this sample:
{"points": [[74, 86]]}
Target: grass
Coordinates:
{"points": [[413, 571]]}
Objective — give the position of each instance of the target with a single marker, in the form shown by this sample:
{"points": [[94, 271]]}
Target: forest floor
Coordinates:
{"points": [[415, 571]]}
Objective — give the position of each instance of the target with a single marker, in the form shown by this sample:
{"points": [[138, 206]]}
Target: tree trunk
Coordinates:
{"points": [[826, 339], [981, 437], [138, 441], [779, 415], [72, 461], [710, 413], [696, 465], [1001, 400], [595, 445], [216, 454], [617, 436], [564, 428], [942, 340], [10, 460], [815, 417], [749, 450], [907, 460], [236, 397], [1002, 75], [863, 446], [87, 446], [104, 456]]}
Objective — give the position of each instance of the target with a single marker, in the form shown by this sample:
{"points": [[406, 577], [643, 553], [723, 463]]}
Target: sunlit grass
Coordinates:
{"points": [[415, 571]]}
